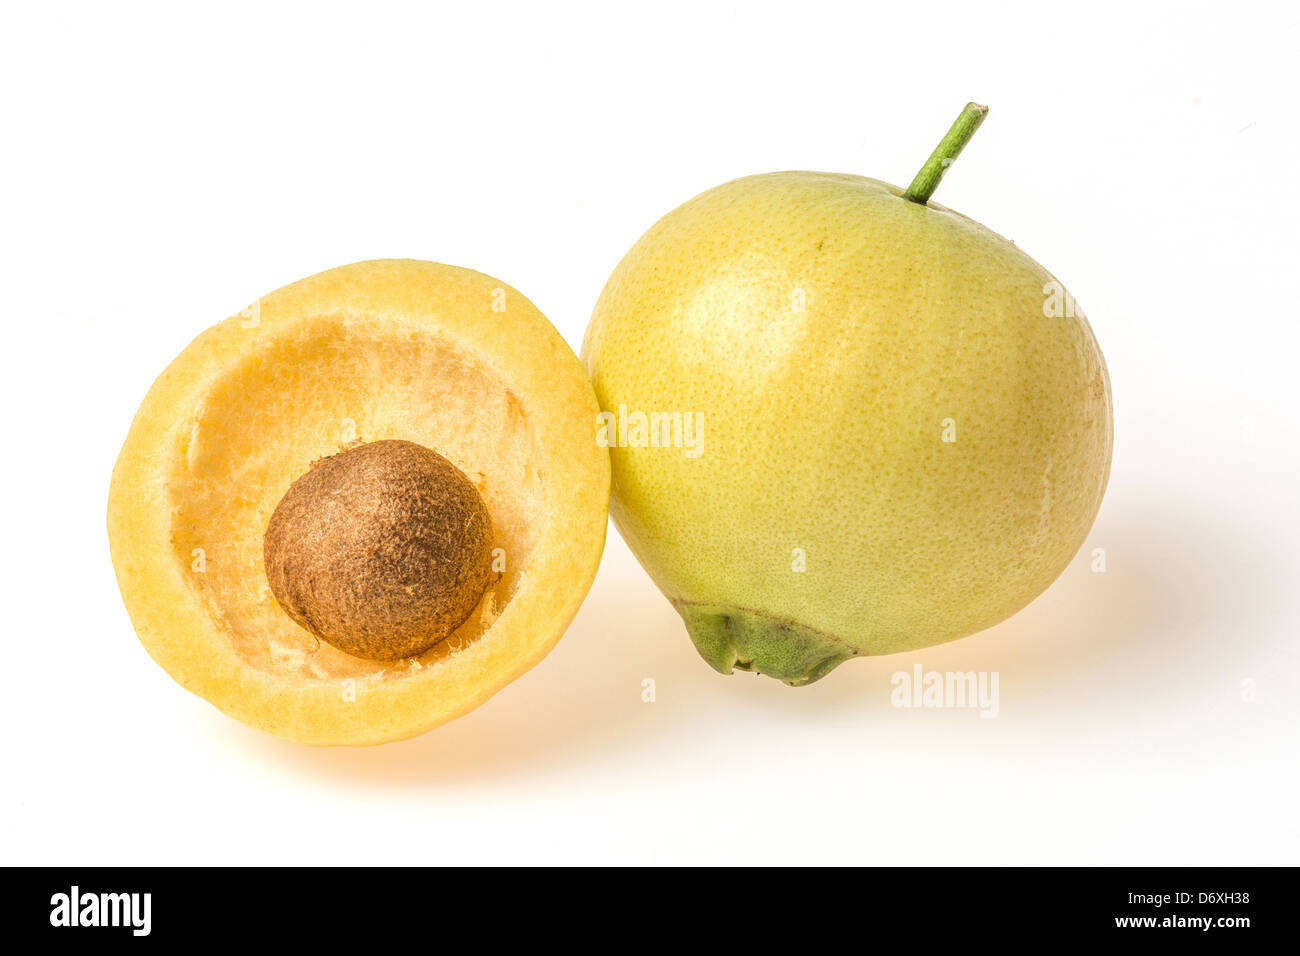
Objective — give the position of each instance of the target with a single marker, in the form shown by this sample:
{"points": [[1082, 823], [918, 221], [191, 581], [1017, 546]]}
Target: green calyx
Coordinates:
{"points": [[729, 637]]}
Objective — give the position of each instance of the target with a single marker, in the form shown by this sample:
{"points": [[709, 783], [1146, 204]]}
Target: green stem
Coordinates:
{"points": [[949, 148]]}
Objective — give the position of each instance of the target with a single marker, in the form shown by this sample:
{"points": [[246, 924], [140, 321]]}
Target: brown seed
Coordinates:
{"points": [[382, 550]]}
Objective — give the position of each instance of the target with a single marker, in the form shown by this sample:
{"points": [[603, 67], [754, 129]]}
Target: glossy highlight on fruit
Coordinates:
{"points": [[906, 419], [451, 360]]}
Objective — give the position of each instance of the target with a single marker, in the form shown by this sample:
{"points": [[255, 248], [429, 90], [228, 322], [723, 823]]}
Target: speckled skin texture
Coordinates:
{"points": [[824, 426], [383, 550]]}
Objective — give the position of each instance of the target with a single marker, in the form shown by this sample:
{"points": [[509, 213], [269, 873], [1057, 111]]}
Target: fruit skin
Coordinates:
{"points": [[824, 427], [245, 408]]}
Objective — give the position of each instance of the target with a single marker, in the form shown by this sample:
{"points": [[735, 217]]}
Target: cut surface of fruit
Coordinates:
{"points": [[449, 359]]}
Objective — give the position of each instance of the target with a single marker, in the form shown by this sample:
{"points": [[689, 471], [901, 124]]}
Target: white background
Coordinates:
{"points": [[163, 168]]}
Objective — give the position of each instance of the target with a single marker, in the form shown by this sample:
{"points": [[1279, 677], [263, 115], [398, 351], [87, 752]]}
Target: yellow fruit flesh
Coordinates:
{"points": [[386, 349], [827, 328]]}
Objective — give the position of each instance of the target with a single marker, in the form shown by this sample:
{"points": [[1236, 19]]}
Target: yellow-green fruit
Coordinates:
{"points": [[906, 422]]}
